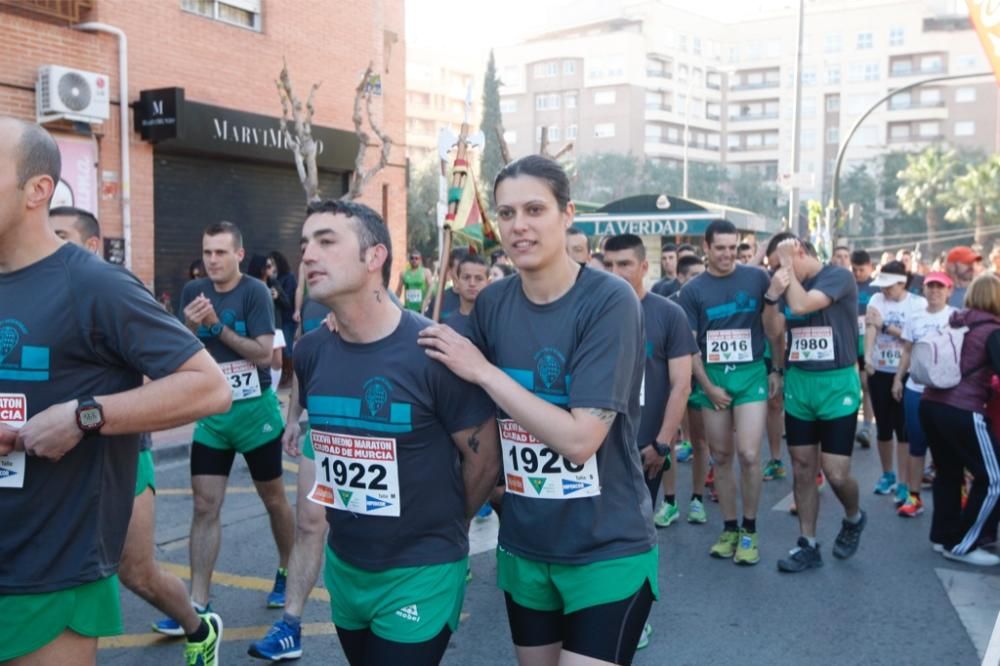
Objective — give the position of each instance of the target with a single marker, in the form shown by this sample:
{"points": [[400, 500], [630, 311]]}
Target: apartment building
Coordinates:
{"points": [[436, 89], [631, 82]]}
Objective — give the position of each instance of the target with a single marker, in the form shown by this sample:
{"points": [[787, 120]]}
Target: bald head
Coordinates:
{"points": [[35, 151]]}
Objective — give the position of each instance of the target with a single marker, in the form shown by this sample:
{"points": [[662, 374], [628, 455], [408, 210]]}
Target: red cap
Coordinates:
{"points": [[940, 278], [963, 255]]}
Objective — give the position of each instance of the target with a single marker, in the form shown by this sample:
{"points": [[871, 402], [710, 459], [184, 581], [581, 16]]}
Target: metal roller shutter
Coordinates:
{"points": [[265, 201]]}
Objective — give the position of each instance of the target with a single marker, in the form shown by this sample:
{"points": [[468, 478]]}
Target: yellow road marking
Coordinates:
{"points": [[242, 582], [235, 490], [233, 634]]}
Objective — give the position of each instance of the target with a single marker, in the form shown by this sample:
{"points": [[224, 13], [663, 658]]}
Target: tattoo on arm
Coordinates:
{"points": [[606, 416], [473, 440], [378, 295]]}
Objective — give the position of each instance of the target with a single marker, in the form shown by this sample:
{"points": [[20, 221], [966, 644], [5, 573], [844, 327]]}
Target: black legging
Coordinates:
{"points": [[363, 648], [889, 415]]}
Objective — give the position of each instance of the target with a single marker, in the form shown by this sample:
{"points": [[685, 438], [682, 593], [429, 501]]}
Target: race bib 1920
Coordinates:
{"points": [[534, 470], [243, 379], [729, 346], [356, 474], [13, 412], [812, 343]]}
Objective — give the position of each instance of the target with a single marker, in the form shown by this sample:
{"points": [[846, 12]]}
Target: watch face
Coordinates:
{"points": [[90, 417]]}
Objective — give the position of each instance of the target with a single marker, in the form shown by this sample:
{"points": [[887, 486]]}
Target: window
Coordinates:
{"points": [[655, 100], [896, 35], [571, 132], [965, 128], [546, 70], [866, 40], [833, 104], [734, 54], [871, 71], [673, 135], [554, 133], [899, 131], [968, 63], [901, 68], [510, 136], [682, 42], [771, 139], [832, 75], [808, 107], [755, 79], [713, 80], [733, 142], [755, 140], [697, 107], [832, 43], [569, 67], [657, 67], [547, 101], [965, 95], [930, 129], [696, 45], [930, 64], [901, 100], [602, 97], [570, 100], [604, 130], [508, 106], [243, 13], [682, 72], [833, 135], [809, 77], [930, 97], [713, 111], [654, 131], [713, 141], [808, 139]]}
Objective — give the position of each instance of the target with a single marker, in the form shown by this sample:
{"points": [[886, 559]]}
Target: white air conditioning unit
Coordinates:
{"points": [[62, 93]]}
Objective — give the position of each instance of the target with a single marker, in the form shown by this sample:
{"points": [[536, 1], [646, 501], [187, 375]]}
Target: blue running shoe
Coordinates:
{"points": [[281, 642], [886, 484], [484, 512], [276, 599], [683, 452], [170, 627]]}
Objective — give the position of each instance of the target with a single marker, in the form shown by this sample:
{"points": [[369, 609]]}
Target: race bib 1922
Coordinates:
{"points": [[534, 470], [356, 474]]}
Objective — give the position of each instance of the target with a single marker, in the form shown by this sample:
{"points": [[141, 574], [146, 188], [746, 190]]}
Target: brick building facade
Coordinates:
{"points": [[228, 71]]}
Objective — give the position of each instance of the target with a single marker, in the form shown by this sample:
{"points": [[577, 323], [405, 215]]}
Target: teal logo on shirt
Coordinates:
{"points": [[549, 365], [18, 361], [791, 316], [377, 390], [742, 302]]}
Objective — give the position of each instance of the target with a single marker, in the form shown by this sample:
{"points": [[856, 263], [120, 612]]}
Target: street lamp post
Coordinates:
{"points": [[832, 213]]}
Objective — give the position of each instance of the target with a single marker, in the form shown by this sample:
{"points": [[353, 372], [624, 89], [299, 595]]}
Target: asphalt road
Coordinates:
{"points": [[897, 602]]}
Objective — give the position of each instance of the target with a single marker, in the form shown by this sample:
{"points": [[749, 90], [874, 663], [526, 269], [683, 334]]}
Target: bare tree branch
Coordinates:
{"points": [[543, 145], [361, 176], [504, 149], [565, 149], [303, 146]]}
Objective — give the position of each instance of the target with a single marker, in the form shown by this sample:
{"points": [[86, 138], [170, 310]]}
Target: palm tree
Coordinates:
{"points": [[926, 182], [975, 195]]}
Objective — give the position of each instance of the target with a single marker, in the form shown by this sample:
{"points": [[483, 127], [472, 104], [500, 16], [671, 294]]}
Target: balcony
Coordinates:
{"points": [[755, 116], [62, 11], [659, 74], [916, 104], [737, 87], [904, 70], [659, 107]]}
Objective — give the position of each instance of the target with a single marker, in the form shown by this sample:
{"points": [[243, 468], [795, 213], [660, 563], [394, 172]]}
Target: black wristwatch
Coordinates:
{"points": [[769, 300], [780, 371], [885, 328], [662, 450], [89, 417]]}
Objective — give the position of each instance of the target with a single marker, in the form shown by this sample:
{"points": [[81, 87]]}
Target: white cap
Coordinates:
{"points": [[888, 279]]}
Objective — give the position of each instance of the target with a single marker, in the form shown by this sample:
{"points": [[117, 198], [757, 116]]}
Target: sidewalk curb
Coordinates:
{"points": [[168, 453]]}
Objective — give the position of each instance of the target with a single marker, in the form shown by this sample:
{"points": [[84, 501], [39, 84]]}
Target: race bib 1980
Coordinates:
{"points": [[536, 471], [414, 296], [13, 412], [729, 346], [356, 474], [812, 343], [243, 379]]}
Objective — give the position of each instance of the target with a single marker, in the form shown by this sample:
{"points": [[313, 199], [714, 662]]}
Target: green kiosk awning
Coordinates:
{"points": [[666, 215]]}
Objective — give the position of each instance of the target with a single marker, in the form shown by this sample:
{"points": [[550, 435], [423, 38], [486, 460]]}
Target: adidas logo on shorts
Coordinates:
{"points": [[267, 428], [409, 613], [848, 401]]}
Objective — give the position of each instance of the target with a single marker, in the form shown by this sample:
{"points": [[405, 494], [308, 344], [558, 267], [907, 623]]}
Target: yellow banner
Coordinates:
{"points": [[985, 15]]}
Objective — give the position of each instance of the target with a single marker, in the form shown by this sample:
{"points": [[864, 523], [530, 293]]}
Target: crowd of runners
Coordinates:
{"points": [[560, 390]]}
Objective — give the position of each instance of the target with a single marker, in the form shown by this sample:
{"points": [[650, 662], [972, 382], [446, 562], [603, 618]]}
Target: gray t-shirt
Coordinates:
{"points": [[582, 351], [247, 309], [391, 390], [459, 322], [313, 315], [667, 337], [730, 303], [835, 327], [73, 326], [665, 287], [449, 304]]}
